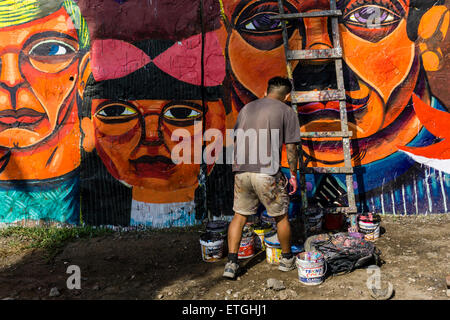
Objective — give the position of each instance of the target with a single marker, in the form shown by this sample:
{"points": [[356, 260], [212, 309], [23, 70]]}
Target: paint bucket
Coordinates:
{"points": [[311, 268], [211, 246], [273, 248], [217, 226], [265, 218], [246, 248], [261, 230], [369, 225], [314, 223], [370, 230]]}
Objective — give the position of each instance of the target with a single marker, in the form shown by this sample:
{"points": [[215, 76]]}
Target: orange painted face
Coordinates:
{"points": [[134, 139], [381, 69], [39, 69]]}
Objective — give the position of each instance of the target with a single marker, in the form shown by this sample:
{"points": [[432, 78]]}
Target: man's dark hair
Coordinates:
{"points": [[280, 86]]}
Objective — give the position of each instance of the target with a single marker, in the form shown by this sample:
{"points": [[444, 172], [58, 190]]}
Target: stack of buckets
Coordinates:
{"points": [[212, 241], [369, 225]]}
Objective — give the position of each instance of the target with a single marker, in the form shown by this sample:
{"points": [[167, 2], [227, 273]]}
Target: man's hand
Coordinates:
{"points": [[293, 183], [292, 157]]}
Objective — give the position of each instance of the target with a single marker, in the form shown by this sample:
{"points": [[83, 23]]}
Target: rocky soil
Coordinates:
{"points": [[167, 265]]}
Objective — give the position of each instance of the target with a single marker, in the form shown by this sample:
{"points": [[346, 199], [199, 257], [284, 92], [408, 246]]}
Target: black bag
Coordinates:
{"points": [[343, 253]]}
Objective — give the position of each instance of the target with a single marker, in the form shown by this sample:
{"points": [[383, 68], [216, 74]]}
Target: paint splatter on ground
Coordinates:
{"points": [[168, 265]]}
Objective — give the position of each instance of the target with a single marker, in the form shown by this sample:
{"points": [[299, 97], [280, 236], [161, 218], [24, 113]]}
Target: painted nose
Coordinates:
{"points": [[153, 136], [10, 72], [315, 74], [316, 33]]}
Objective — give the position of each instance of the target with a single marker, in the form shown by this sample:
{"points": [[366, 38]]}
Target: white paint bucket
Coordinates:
{"points": [[211, 246], [311, 268], [371, 230], [273, 249]]}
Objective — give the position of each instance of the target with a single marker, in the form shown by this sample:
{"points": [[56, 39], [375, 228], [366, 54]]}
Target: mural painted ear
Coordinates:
{"points": [[432, 30], [87, 127], [83, 73]]}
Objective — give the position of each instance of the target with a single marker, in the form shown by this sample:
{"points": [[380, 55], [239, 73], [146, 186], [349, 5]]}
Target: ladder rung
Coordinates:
{"points": [[313, 14], [326, 134], [315, 96], [331, 210], [334, 53], [346, 170]]}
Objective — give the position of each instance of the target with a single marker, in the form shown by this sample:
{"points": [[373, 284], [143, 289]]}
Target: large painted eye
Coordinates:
{"points": [[372, 16], [116, 112], [372, 22], [261, 22], [51, 48], [256, 27], [181, 113]]}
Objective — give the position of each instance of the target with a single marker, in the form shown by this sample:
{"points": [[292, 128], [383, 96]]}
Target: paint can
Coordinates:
{"points": [[370, 230], [369, 225], [311, 268], [211, 246], [314, 223], [217, 226], [246, 248], [261, 230], [273, 248], [265, 218]]}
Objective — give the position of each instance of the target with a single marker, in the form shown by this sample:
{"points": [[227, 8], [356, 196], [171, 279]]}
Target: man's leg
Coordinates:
{"points": [[235, 232], [234, 240], [284, 233]]}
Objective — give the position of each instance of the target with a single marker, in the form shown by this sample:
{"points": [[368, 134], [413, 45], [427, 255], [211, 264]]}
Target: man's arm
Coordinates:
{"points": [[292, 157]]}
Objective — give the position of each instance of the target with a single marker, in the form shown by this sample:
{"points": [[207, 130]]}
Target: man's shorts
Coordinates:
{"points": [[251, 188]]}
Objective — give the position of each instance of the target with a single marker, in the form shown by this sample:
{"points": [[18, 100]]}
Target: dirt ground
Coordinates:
{"points": [[168, 265]]}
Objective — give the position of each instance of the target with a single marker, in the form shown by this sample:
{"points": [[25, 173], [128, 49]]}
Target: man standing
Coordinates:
{"points": [[262, 181]]}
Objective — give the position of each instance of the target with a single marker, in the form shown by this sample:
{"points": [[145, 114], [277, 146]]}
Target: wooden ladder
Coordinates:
{"points": [[335, 54]]}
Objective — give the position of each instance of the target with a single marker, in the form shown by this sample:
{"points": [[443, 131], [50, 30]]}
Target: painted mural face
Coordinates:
{"points": [[379, 86], [40, 62], [137, 110], [134, 140]]}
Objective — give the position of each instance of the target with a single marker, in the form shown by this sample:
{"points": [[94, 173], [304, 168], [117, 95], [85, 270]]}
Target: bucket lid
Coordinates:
{"points": [[370, 217], [310, 256], [210, 236], [295, 249], [272, 240], [247, 231], [216, 225], [262, 226]]}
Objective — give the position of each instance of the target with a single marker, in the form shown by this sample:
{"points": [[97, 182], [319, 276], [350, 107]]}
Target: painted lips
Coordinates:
{"points": [[20, 118], [153, 166]]}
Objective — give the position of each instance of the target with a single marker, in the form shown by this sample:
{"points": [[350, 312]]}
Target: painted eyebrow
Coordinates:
{"points": [[341, 4], [48, 34]]}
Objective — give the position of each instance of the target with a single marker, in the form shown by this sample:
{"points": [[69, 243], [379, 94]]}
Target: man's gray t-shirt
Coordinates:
{"points": [[261, 129]]}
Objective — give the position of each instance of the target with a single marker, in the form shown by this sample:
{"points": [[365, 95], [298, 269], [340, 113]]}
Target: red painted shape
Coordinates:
{"points": [[183, 60], [437, 122], [111, 59]]}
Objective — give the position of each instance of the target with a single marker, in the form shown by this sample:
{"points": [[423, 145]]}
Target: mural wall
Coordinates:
{"points": [[95, 96]]}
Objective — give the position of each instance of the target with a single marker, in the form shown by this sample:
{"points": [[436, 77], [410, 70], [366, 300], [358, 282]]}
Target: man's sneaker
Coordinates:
{"points": [[231, 269], [287, 264]]}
